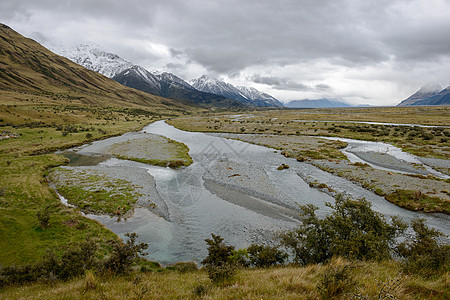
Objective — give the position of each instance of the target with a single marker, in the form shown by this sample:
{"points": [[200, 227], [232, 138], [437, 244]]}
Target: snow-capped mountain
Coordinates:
{"points": [[441, 98], [170, 86], [423, 93], [211, 92], [140, 79], [325, 102], [245, 95], [218, 87], [94, 59], [261, 99]]}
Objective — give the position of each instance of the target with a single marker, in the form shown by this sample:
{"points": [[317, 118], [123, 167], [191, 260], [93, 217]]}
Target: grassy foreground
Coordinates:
{"points": [[366, 280]]}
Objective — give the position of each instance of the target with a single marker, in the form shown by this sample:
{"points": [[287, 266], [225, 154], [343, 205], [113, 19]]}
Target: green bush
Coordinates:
{"points": [[422, 253], [351, 230], [43, 217], [219, 263], [75, 261], [124, 254], [265, 256]]}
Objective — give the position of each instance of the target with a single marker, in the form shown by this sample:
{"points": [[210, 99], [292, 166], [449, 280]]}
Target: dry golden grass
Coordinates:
{"points": [[367, 280]]}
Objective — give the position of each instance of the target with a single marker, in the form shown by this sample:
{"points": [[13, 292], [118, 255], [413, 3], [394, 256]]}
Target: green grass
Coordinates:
{"points": [[94, 192], [418, 201], [24, 241], [24, 164]]}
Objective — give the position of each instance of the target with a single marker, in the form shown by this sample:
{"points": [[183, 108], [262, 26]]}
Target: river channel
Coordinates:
{"points": [[249, 206]]}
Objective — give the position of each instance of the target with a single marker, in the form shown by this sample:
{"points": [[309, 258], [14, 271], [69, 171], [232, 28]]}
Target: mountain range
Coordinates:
{"points": [[430, 94], [28, 68], [246, 95], [324, 102], [214, 93]]}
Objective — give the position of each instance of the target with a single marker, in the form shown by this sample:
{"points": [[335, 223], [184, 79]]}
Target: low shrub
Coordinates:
{"points": [[219, 263], [184, 267], [423, 253], [265, 256], [123, 254], [351, 230], [75, 261], [43, 216], [283, 166]]}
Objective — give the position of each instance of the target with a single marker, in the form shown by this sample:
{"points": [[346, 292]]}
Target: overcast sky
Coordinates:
{"points": [[372, 52]]}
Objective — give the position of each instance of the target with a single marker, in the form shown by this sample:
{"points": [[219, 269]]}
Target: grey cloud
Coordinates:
{"points": [[280, 83], [175, 53], [323, 87], [231, 37]]}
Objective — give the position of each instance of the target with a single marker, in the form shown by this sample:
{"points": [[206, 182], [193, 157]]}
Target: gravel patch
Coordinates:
{"points": [[250, 202], [368, 177], [246, 178], [442, 165], [389, 162]]}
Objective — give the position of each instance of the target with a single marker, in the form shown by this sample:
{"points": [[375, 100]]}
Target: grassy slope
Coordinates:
{"points": [[372, 281], [51, 103]]}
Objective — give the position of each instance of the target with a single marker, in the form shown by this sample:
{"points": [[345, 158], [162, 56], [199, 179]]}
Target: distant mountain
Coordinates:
{"points": [[319, 103], [422, 94], [245, 95], [125, 72], [258, 98], [94, 59], [442, 98], [170, 86], [139, 78]]}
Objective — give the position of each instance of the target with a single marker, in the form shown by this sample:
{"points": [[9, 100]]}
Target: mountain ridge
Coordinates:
{"points": [[30, 68], [441, 98], [319, 103], [246, 95], [422, 95]]}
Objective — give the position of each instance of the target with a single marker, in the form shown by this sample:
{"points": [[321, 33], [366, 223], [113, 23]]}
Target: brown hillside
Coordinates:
{"points": [[27, 68]]}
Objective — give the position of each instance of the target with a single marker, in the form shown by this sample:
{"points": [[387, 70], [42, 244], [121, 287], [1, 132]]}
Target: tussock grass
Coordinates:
{"points": [[370, 280]]}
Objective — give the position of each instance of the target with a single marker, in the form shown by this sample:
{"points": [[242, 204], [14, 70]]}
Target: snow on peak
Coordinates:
{"points": [[246, 95], [92, 58], [431, 88]]}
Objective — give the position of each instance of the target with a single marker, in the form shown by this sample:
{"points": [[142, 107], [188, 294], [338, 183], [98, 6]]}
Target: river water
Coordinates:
{"points": [[199, 207]]}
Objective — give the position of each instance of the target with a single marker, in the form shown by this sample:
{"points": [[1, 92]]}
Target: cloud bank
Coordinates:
{"points": [[375, 52]]}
